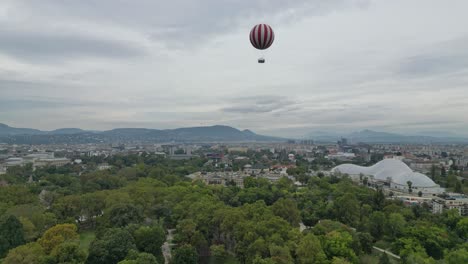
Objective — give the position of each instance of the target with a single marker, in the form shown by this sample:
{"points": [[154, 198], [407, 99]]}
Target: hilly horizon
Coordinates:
{"points": [[193, 134], [219, 133]]}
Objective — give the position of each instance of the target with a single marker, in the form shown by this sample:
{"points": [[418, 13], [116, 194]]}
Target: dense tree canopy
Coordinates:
{"points": [[129, 208]]}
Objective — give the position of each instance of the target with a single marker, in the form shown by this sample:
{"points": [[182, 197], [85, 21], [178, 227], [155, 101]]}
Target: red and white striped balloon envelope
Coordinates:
{"points": [[262, 36]]}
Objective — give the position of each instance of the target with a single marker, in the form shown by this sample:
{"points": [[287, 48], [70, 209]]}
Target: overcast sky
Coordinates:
{"points": [[335, 65]]}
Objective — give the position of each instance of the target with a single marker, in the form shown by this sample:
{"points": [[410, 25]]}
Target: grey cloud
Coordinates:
{"points": [[337, 83], [417, 124], [430, 64], [183, 22], [260, 104], [27, 104], [446, 57], [43, 45]]}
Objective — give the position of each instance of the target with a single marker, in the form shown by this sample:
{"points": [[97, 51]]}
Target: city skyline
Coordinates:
{"points": [[335, 66]]}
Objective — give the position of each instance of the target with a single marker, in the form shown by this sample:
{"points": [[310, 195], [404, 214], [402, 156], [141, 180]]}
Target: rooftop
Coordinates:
{"points": [[395, 169]]}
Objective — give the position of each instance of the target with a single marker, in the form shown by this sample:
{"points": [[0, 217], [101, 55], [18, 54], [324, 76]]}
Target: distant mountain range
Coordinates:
{"points": [[78, 136], [6, 130], [218, 133], [369, 136]]}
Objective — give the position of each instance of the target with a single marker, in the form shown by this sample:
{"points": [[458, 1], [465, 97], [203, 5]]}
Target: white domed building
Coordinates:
{"points": [[393, 173]]}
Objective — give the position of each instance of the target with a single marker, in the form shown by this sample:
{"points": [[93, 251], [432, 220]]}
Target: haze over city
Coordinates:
{"points": [[396, 66]]}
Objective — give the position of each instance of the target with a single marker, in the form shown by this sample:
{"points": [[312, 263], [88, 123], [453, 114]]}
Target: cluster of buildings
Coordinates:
{"points": [[36, 159], [225, 178], [411, 187], [403, 170], [392, 174], [450, 201]]}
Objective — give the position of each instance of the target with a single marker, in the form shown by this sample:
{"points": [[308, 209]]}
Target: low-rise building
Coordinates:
{"points": [[256, 169], [3, 170], [423, 166], [14, 161], [104, 166], [413, 200], [341, 156], [441, 204], [51, 162]]}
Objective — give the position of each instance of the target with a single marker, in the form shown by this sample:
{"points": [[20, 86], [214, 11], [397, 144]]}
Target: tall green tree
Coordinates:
{"points": [[112, 247], [433, 172], [150, 239], [339, 244], [347, 209], [68, 252], [458, 187], [462, 228], [121, 215], [287, 209], [135, 257], [384, 259], [31, 253], [309, 250], [57, 235], [377, 223], [457, 256], [185, 254], [410, 184], [395, 225], [11, 234]]}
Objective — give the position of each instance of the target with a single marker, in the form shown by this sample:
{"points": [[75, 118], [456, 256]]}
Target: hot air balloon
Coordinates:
{"points": [[261, 37]]}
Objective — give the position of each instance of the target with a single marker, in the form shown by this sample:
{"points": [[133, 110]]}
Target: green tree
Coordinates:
{"points": [[433, 172], [134, 257], [395, 225], [285, 184], [407, 247], [458, 187], [280, 254], [33, 217], [462, 228], [121, 215], [377, 223], [337, 260], [366, 242], [31, 253], [451, 218], [17, 194], [150, 239], [250, 182], [29, 229], [443, 172], [11, 233], [57, 235], [68, 207], [260, 260], [457, 256], [309, 250], [218, 251], [410, 184], [339, 244], [419, 258], [379, 199], [347, 209], [384, 259], [185, 254], [112, 247], [287, 209], [68, 252], [92, 205]]}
